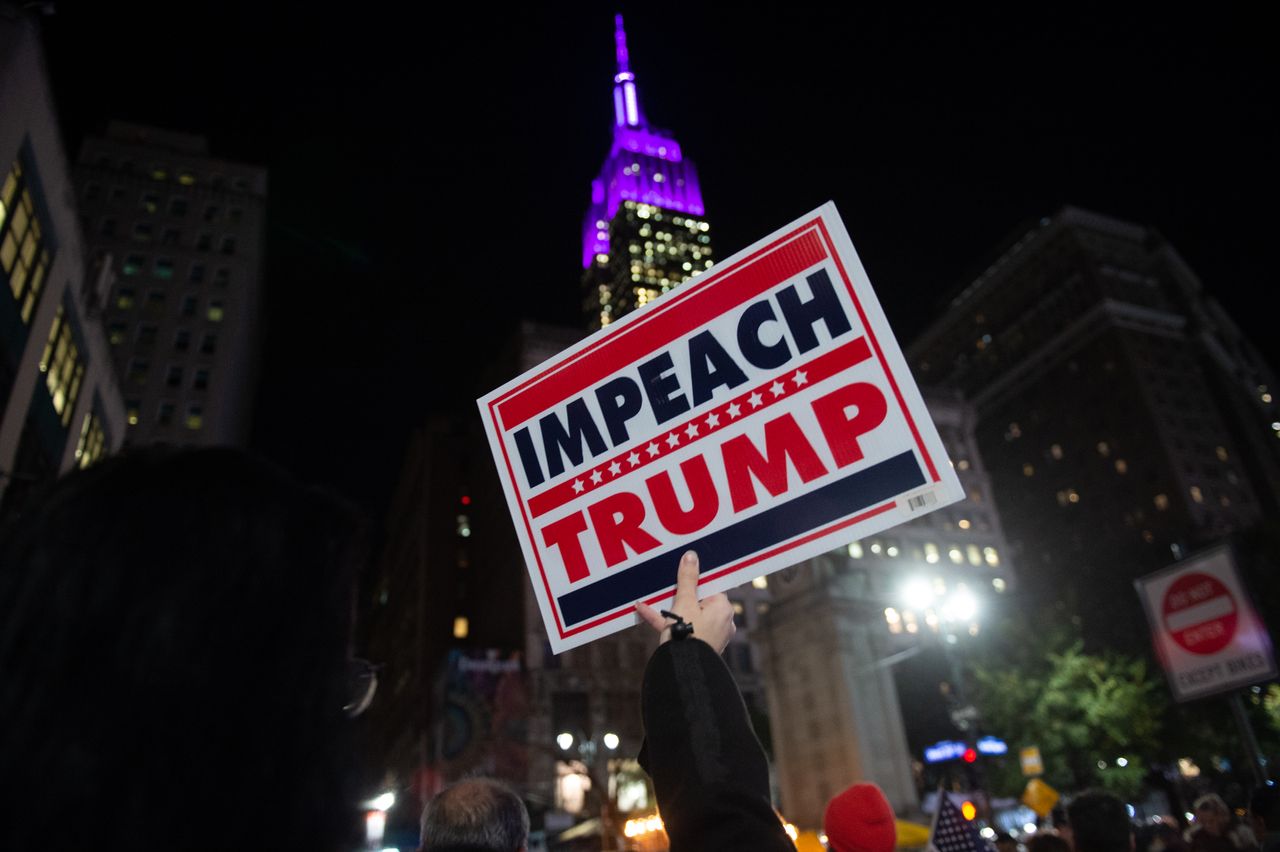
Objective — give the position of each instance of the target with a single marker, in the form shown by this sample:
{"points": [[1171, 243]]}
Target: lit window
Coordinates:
{"points": [[131, 408], [975, 555], [133, 264], [963, 464], [963, 523], [956, 555], [164, 268], [1014, 431], [891, 550], [62, 365], [186, 179], [991, 556], [930, 553], [855, 550], [999, 584], [22, 254], [195, 417], [760, 582], [1221, 453], [1056, 452], [875, 547], [93, 441], [158, 173], [1197, 494], [461, 627], [893, 619], [1161, 501], [149, 203], [464, 526], [115, 333], [214, 313], [1104, 449], [1122, 466], [1028, 470]]}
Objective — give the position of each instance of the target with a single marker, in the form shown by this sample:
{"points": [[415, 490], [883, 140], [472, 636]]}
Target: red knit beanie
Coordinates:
{"points": [[860, 820]]}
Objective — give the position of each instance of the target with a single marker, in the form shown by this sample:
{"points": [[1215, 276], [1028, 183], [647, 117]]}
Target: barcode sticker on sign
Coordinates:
{"points": [[917, 502]]}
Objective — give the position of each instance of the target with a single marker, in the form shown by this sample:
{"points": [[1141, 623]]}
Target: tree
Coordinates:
{"points": [[1095, 718]]}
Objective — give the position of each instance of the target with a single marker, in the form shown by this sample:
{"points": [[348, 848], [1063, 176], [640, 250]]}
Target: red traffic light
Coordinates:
{"points": [[466, 500], [970, 756]]}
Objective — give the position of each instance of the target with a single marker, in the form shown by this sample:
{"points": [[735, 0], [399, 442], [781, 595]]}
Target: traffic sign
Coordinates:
{"points": [[1031, 762], [1206, 633]]}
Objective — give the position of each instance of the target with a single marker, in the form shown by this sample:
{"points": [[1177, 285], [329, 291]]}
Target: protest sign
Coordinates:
{"points": [[760, 414], [1204, 628]]}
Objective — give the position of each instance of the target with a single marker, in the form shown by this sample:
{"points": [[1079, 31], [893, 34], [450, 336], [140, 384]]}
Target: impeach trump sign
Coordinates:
{"points": [[760, 414]]}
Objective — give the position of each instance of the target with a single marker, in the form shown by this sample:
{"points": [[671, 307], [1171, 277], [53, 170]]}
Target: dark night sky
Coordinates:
{"points": [[430, 165]]}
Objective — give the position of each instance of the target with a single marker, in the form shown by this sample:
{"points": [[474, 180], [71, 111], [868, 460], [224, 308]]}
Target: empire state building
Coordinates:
{"points": [[645, 231]]}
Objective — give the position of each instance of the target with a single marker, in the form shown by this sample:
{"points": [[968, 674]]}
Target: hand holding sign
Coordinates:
{"points": [[712, 619]]}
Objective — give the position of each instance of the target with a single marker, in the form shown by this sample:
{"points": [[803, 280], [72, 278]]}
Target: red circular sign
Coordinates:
{"points": [[1200, 614]]}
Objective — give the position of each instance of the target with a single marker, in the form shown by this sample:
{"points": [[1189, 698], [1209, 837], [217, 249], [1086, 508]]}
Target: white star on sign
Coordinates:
{"points": [[615, 467], [633, 459], [692, 431], [673, 439], [596, 477], [713, 420], [578, 486], [653, 449], [800, 378], [734, 410], [755, 399], [777, 389]]}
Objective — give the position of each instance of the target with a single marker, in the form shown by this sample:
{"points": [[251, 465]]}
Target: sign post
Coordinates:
{"points": [[761, 414]]}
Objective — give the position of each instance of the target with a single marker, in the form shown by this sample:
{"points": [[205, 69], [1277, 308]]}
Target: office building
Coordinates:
{"points": [[645, 231], [1125, 419], [60, 405], [185, 233]]}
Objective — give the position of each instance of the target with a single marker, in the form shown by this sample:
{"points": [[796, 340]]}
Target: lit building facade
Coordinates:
{"points": [[185, 234], [645, 231], [838, 623], [1124, 417], [60, 405]]}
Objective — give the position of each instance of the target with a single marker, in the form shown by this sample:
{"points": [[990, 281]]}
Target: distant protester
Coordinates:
{"points": [[1216, 828], [859, 819], [1047, 841], [174, 630], [1099, 823], [476, 815]]}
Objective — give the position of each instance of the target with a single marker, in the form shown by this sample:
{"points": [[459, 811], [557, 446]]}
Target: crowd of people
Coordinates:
{"points": [[174, 663]]}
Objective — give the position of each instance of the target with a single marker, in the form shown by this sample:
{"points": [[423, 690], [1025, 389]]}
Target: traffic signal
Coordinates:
{"points": [[968, 810], [970, 755]]}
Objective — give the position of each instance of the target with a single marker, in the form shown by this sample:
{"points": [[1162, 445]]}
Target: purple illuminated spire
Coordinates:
{"points": [[626, 103], [645, 165]]}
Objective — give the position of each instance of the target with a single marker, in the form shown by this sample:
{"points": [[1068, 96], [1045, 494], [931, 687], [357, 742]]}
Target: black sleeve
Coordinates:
{"points": [[708, 769]]}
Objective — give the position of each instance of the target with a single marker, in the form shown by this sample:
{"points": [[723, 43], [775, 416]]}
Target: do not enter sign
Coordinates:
{"points": [[1200, 613], [1206, 633]]}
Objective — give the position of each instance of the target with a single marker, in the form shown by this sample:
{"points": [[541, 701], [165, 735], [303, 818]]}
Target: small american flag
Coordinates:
{"points": [[952, 832]]}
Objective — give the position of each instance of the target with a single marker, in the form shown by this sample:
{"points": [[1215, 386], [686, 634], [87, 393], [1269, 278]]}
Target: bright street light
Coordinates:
{"points": [[961, 606], [383, 802], [917, 594], [611, 741], [564, 740], [1122, 761]]}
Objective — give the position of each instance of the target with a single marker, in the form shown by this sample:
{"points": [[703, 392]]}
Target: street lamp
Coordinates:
{"points": [[588, 749]]}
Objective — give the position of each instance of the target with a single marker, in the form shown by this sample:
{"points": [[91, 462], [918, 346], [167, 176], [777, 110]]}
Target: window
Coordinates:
{"points": [[164, 414], [181, 340], [222, 276], [228, 245], [189, 306], [62, 366], [177, 207], [115, 333], [173, 378], [211, 213], [146, 335], [204, 242], [170, 237], [155, 301], [138, 369], [23, 254], [196, 274], [93, 440], [133, 264], [201, 380], [143, 232], [214, 313], [124, 298], [164, 268], [149, 203], [131, 408], [195, 417], [209, 344], [108, 228]]}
